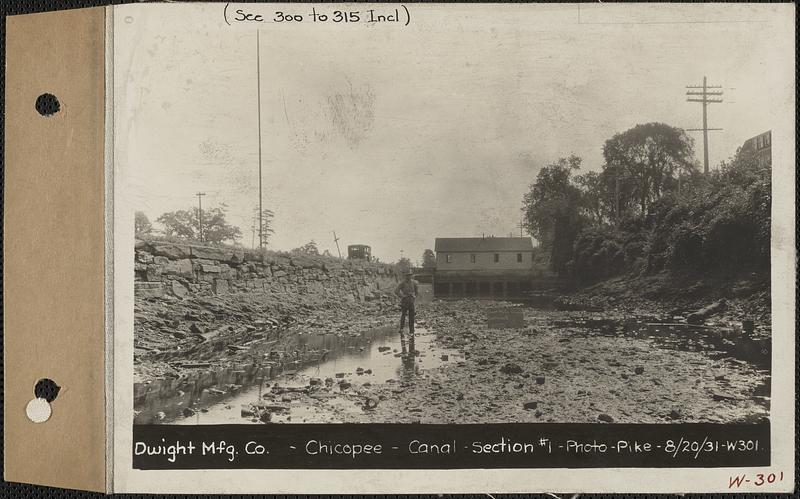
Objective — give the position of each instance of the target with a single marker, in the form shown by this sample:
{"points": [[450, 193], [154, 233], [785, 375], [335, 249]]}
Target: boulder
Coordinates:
{"points": [[170, 250], [148, 289], [220, 286], [181, 268], [704, 313], [605, 418], [530, 405], [178, 289], [305, 262], [211, 253], [511, 368]]}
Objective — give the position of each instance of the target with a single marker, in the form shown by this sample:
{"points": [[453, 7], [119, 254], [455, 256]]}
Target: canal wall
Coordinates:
{"points": [[166, 268]]}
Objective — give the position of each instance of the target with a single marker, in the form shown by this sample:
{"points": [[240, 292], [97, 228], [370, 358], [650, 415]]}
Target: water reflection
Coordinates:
{"points": [[372, 357]]}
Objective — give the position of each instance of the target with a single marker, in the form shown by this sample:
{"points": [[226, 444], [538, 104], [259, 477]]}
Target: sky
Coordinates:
{"points": [[394, 135]]}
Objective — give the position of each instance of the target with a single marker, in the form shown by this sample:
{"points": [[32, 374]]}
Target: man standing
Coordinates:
{"points": [[407, 291]]}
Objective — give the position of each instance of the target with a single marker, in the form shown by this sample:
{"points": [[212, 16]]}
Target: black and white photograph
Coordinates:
{"points": [[488, 223]]}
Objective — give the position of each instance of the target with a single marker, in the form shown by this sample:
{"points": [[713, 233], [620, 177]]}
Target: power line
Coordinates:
{"points": [[706, 97]]}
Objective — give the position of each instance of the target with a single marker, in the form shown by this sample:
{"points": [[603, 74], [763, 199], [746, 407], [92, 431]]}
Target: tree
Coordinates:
{"points": [[648, 160], [551, 210], [186, 224], [266, 225], [404, 265], [310, 248], [142, 225], [428, 260]]}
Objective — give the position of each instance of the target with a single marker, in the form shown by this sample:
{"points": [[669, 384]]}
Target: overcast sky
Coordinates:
{"points": [[393, 136]]}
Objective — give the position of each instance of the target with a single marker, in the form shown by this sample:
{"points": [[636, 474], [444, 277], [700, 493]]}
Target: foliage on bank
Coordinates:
{"points": [[650, 209]]}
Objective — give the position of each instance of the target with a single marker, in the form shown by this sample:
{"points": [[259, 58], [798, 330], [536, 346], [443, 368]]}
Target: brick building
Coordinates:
{"points": [[483, 267], [761, 147]]}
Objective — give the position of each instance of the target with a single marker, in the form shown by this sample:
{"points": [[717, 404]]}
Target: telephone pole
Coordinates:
{"points": [[260, 197], [702, 94], [336, 240], [520, 226], [200, 213]]}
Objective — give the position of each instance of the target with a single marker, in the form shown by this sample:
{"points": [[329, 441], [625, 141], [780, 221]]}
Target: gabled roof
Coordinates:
{"points": [[478, 244]]}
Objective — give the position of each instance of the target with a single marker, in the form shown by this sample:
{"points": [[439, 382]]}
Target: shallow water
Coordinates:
{"points": [[376, 352]]}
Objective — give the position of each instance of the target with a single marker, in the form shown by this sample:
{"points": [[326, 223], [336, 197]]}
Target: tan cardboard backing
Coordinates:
{"points": [[53, 259]]}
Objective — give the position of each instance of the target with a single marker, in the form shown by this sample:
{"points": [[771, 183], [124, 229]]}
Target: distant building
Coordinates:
{"points": [[483, 267], [761, 147]]}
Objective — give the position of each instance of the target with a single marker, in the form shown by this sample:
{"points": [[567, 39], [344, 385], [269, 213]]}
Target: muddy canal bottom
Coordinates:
{"points": [[334, 387]]}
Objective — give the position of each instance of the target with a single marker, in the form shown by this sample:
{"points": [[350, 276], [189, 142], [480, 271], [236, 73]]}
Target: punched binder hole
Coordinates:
{"points": [[47, 104], [46, 389]]}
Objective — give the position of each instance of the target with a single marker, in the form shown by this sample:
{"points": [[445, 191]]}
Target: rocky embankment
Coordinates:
{"points": [[203, 307]]}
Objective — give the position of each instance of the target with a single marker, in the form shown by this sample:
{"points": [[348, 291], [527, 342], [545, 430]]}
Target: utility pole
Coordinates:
{"points": [[702, 94], [260, 197], [336, 240], [200, 213], [520, 226], [253, 227]]}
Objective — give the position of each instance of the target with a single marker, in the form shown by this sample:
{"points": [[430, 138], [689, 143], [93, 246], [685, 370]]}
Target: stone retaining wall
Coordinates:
{"points": [[181, 269]]}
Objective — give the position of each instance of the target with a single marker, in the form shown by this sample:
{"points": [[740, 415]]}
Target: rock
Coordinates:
{"points": [[220, 286], [265, 417], [540, 380], [305, 262], [328, 382], [179, 335], [344, 385], [367, 371], [315, 382], [530, 405], [160, 416], [605, 418], [701, 315], [178, 289], [674, 414], [460, 396], [638, 370], [148, 289], [195, 329], [160, 260], [188, 412], [383, 349], [182, 268], [171, 251], [209, 253], [511, 369], [538, 414], [340, 375], [445, 357]]}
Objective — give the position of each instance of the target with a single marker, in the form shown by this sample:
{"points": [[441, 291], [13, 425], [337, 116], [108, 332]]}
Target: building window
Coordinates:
{"points": [[496, 257], [449, 258], [472, 258], [519, 257], [766, 140]]}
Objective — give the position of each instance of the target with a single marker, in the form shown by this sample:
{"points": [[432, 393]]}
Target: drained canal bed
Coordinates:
{"points": [[559, 367], [331, 387]]}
